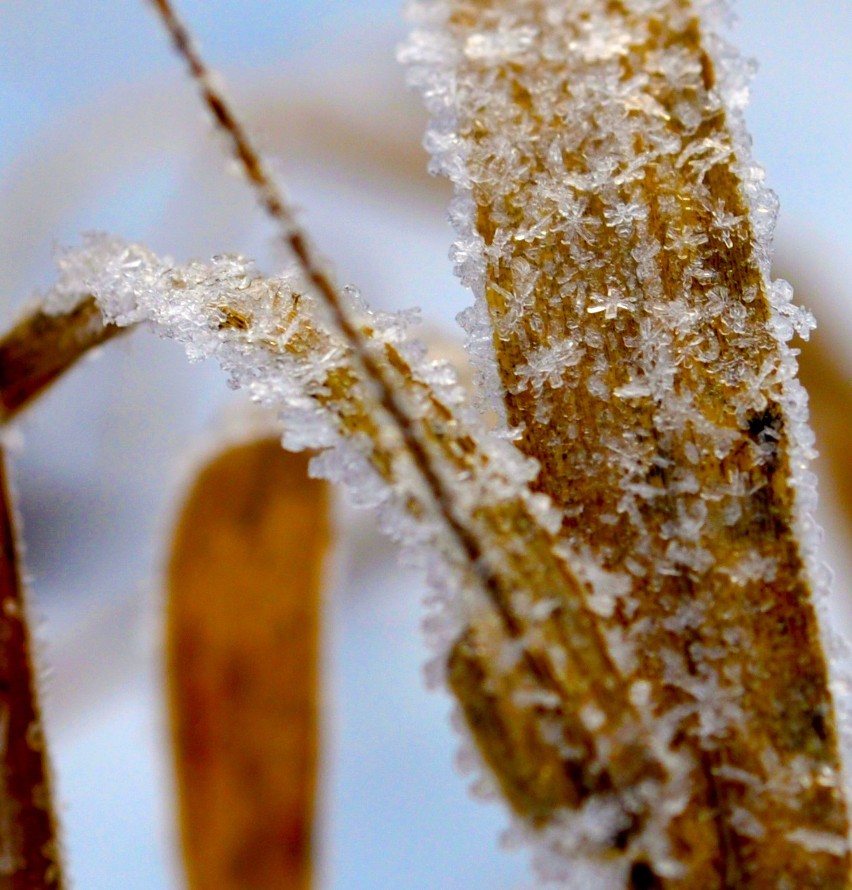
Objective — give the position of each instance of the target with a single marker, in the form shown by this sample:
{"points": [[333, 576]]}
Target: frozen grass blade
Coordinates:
{"points": [[274, 340], [41, 347], [242, 654], [616, 234], [315, 277], [490, 532], [29, 849]]}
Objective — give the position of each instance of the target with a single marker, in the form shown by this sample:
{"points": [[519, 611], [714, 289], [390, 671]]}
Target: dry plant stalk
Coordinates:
{"points": [[617, 239], [29, 848], [242, 657], [500, 546], [830, 391], [33, 354]]}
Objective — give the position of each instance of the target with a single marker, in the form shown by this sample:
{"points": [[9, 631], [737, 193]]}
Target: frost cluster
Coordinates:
{"points": [[604, 570], [276, 340], [616, 234]]}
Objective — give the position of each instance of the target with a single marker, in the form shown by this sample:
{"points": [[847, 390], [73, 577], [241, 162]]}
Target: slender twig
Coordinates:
{"points": [[29, 852], [295, 239]]}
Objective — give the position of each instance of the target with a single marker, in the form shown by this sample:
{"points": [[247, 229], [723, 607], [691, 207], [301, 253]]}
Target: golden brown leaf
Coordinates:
{"points": [[41, 347], [242, 649], [637, 342], [830, 391]]}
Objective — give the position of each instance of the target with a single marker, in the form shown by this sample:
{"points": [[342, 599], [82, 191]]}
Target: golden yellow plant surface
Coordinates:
{"points": [[624, 580], [639, 349], [242, 655]]}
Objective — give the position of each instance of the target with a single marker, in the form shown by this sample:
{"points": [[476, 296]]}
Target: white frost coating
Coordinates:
{"points": [[431, 57], [788, 320], [746, 823], [607, 590], [274, 340], [820, 841], [580, 184]]}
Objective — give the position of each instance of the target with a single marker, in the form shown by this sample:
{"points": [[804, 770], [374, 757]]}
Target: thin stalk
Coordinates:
{"points": [[29, 849]]}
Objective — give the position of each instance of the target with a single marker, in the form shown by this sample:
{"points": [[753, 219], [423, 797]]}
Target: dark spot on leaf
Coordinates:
{"points": [[765, 426], [643, 877], [819, 726]]}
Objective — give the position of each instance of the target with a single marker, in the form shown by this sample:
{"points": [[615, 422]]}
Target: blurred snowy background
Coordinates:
{"points": [[101, 131]]}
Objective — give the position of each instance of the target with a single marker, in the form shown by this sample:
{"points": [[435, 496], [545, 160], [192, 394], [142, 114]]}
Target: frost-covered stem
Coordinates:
{"points": [[617, 236], [555, 687], [277, 208], [41, 347], [29, 850]]}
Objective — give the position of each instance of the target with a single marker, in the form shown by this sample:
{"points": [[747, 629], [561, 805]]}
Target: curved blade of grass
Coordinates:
{"points": [[41, 347], [29, 848], [437, 472], [616, 234], [507, 571], [242, 652]]}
